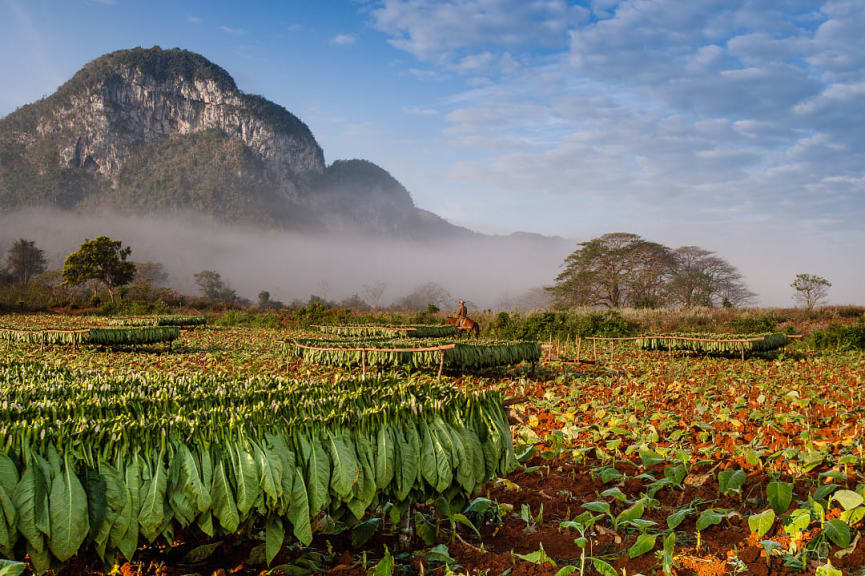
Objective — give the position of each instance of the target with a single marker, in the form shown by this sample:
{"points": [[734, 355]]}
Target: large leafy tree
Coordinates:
{"points": [[102, 261], [702, 278], [214, 288], [810, 290], [25, 261], [612, 271]]}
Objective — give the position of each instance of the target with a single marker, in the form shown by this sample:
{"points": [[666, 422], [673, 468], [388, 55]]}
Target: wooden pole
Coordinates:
{"points": [[579, 345], [742, 346], [363, 363], [441, 363], [612, 349], [595, 349]]}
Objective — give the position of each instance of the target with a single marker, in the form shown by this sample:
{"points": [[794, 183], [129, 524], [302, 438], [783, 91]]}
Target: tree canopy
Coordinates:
{"points": [[810, 290], [25, 261], [214, 288], [624, 270], [102, 260]]}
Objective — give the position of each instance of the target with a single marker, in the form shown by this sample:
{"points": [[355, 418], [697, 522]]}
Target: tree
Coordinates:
{"points": [[102, 260], [354, 302], [211, 285], [264, 299], [702, 278], [810, 290], [150, 272], [372, 293], [612, 271], [423, 296], [25, 261]]}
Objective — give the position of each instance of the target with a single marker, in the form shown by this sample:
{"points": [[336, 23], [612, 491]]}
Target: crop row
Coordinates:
{"points": [[104, 464], [720, 344], [179, 321], [93, 336], [417, 353], [412, 331]]}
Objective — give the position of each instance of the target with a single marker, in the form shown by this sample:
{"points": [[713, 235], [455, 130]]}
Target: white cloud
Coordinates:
{"points": [[193, 19], [232, 31], [343, 40], [440, 30], [419, 111]]}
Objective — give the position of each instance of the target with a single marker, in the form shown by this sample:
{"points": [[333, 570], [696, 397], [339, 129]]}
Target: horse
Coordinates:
{"points": [[464, 325]]}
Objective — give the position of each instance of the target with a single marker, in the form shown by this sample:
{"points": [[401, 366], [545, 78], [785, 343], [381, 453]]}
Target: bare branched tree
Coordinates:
{"points": [[810, 290]]}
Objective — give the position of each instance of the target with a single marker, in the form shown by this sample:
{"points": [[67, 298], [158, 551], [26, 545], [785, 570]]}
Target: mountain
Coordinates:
{"points": [[152, 131]]}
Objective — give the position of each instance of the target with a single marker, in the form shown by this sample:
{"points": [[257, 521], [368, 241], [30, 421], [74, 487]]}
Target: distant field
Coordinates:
{"points": [[665, 462]]}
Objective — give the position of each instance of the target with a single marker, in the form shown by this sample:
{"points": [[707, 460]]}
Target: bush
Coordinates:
{"points": [[754, 324], [839, 337], [542, 325]]}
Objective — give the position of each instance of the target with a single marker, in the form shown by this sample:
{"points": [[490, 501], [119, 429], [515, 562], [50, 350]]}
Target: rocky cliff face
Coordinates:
{"points": [[102, 127], [151, 130]]}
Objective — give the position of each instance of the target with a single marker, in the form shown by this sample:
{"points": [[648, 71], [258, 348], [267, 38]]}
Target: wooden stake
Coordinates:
{"points": [[612, 349], [595, 349], [441, 363], [363, 363], [579, 345]]}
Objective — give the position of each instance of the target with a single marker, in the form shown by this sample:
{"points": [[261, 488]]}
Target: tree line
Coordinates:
{"points": [[617, 270], [622, 270]]}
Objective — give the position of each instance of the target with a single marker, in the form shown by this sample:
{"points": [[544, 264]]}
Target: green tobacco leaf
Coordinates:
{"points": [[603, 568], [298, 512], [761, 523], [731, 480], [848, 499], [600, 507], [632, 513], [780, 495], [385, 565], [677, 517], [364, 531], [67, 510], [650, 458], [31, 500], [345, 468], [224, 507], [246, 477], [439, 554], [645, 543], [8, 473], [153, 501], [11, 568], [384, 458], [709, 517], [828, 570], [274, 536], [201, 553], [838, 532]]}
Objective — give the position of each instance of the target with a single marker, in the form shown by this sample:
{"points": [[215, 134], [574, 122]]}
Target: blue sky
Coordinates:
{"points": [[735, 125]]}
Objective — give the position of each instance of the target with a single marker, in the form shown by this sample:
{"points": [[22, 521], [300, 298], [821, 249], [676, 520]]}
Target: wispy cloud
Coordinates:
{"points": [[232, 31], [343, 40], [419, 111], [193, 19], [423, 74]]}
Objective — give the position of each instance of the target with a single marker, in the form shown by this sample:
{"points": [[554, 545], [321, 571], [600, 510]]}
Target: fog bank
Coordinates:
{"points": [[483, 270]]}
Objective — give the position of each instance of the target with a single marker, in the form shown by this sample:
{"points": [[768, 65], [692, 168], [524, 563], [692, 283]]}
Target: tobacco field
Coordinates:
{"points": [[229, 454]]}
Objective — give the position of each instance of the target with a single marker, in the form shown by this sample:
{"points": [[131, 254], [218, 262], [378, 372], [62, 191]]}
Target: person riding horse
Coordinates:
{"points": [[463, 322], [462, 312]]}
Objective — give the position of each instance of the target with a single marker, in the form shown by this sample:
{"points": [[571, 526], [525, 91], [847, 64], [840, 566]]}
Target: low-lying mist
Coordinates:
{"points": [[483, 270]]}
